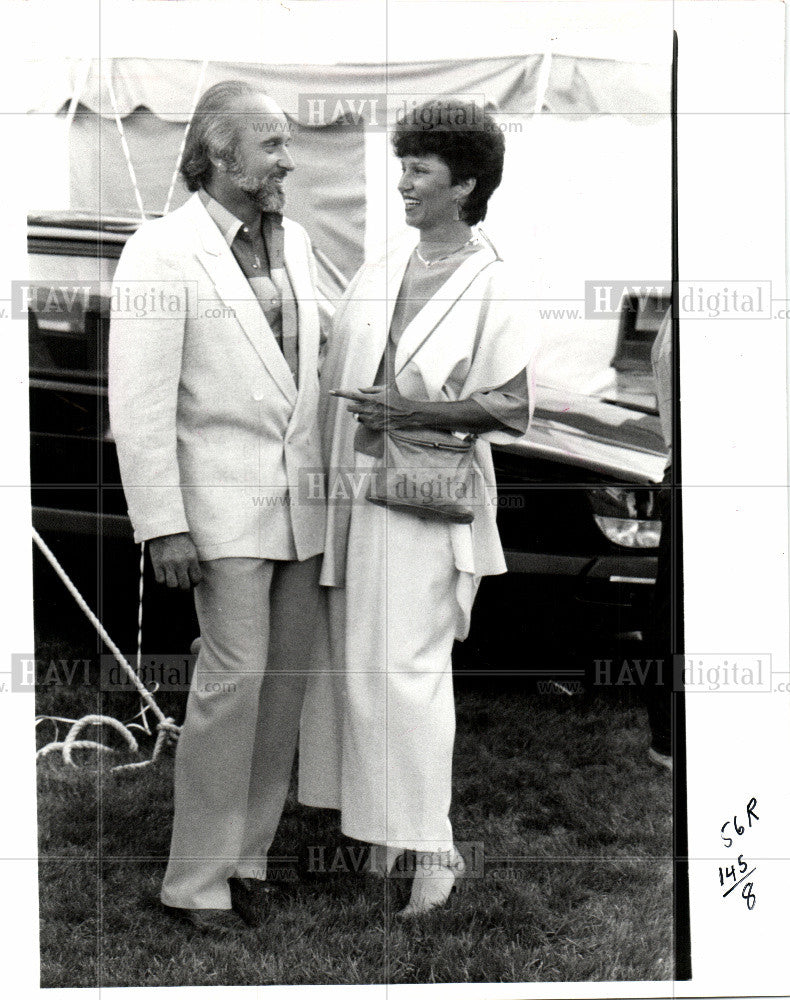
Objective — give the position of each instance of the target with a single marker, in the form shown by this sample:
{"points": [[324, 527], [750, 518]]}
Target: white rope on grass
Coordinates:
{"points": [[139, 661], [71, 742], [167, 730]]}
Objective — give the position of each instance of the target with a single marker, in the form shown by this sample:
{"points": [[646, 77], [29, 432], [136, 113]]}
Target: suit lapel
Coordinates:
{"points": [[233, 288], [298, 269]]}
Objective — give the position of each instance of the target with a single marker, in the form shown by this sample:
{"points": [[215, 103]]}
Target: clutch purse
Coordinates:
{"points": [[427, 473]]}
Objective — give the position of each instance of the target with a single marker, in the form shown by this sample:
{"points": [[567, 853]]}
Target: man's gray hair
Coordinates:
{"points": [[213, 131]]}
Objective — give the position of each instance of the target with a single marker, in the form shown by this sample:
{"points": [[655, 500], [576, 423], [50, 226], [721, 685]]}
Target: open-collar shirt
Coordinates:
{"points": [[259, 252]]}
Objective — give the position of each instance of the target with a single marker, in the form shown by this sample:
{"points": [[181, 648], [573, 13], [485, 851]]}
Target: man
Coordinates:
{"points": [[213, 394]]}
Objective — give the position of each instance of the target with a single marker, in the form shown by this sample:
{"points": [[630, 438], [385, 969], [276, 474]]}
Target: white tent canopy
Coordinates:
{"points": [[586, 191]]}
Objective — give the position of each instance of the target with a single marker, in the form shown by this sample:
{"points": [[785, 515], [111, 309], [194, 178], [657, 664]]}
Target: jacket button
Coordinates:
{"points": [[257, 395]]}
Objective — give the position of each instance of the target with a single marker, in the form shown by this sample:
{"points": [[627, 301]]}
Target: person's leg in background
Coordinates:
{"points": [[657, 690]]}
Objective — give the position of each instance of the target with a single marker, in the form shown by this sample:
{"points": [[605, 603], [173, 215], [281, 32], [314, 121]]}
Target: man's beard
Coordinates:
{"points": [[266, 194]]}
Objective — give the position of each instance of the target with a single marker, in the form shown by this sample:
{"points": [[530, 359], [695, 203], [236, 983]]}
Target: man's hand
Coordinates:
{"points": [[175, 560]]}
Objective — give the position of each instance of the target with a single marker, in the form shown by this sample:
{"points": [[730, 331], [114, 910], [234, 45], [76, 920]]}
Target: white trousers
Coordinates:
{"points": [[237, 744], [378, 724]]}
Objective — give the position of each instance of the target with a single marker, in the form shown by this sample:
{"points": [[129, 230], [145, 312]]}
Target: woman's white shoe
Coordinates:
{"points": [[434, 880]]}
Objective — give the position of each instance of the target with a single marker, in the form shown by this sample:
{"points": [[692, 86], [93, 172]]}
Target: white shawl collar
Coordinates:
{"points": [[436, 308]]}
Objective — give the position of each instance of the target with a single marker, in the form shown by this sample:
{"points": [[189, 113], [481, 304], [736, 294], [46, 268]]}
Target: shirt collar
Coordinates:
{"points": [[227, 223]]}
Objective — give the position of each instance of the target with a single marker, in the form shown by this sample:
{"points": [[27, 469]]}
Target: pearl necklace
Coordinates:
{"points": [[429, 263]]}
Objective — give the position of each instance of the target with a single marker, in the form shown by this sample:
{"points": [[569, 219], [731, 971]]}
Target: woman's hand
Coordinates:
{"points": [[380, 407]]}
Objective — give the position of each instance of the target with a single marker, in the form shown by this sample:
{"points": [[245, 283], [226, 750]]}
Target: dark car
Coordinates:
{"points": [[576, 504]]}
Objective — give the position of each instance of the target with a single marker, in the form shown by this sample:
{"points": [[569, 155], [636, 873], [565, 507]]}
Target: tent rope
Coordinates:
{"points": [[195, 99], [79, 89], [139, 660], [107, 72], [542, 82], [167, 730]]}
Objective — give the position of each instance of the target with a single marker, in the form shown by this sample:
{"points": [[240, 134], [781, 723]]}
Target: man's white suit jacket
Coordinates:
{"points": [[212, 435]]}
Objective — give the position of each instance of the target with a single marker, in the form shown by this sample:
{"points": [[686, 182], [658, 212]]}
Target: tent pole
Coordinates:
{"points": [[542, 86]]}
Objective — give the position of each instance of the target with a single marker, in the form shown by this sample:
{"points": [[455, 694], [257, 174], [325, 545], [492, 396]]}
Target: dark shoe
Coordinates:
{"points": [[249, 897], [209, 921]]}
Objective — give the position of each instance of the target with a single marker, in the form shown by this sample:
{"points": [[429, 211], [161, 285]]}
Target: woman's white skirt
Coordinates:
{"points": [[378, 723]]}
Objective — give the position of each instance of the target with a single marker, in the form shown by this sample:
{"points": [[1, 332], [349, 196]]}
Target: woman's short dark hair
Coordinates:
{"points": [[213, 131], [465, 137]]}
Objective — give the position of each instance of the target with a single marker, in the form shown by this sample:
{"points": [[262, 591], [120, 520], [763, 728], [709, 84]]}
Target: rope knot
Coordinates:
{"points": [[169, 727]]}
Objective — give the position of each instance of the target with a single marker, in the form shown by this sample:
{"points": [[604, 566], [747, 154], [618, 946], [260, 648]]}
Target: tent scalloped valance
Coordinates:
{"points": [[314, 96]]}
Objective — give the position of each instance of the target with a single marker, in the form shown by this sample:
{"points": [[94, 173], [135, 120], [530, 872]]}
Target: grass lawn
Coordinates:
{"points": [[574, 822]]}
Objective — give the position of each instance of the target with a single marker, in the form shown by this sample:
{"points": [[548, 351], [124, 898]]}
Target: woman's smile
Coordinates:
{"points": [[429, 196]]}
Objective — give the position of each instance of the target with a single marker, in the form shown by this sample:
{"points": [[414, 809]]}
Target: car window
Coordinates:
{"points": [[640, 318], [68, 314]]}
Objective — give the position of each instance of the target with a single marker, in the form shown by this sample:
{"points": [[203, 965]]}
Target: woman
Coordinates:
{"points": [[432, 336]]}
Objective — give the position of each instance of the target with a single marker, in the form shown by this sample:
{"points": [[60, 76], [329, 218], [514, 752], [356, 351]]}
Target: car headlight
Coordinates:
{"points": [[626, 516], [629, 532]]}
